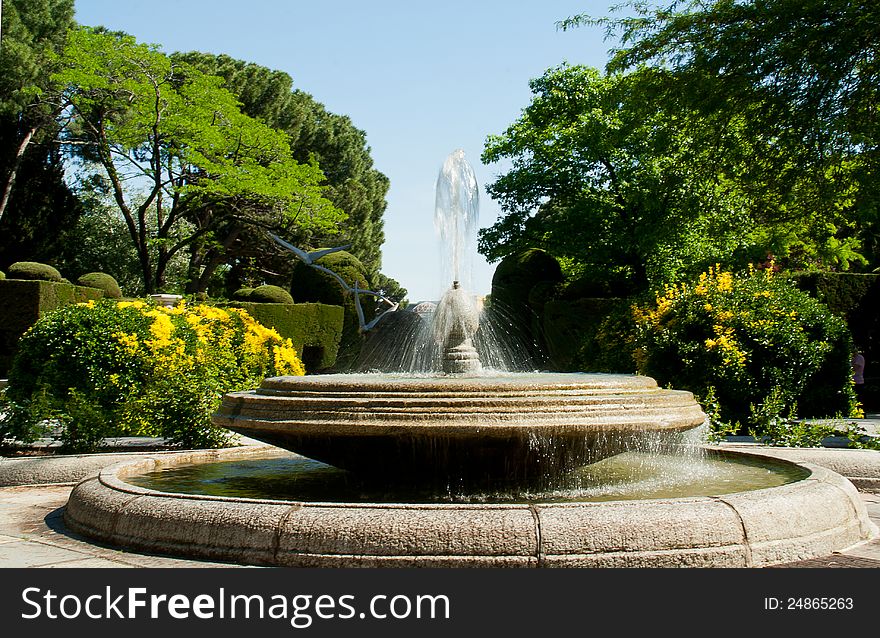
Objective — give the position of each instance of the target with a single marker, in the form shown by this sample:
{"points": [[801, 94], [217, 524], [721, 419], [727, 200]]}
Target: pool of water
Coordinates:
{"points": [[628, 476]]}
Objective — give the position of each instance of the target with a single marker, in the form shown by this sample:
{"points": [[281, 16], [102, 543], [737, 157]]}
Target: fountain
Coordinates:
{"points": [[464, 464]]}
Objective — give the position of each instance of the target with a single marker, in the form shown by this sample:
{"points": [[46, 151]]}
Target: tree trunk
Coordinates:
{"points": [[16, 164]]}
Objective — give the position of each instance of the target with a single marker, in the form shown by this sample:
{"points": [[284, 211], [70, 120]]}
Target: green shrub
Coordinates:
{"points": [[270, 294], [2, 275], [101, 281], [23, 302], [314, 329], [243, 294], [314, 286], [755, 339], [34, 271], [131, 368]]}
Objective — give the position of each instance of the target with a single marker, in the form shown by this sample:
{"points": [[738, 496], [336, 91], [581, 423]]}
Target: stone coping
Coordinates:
{"points": [[860, 466], [55, 469], [805, 519]]}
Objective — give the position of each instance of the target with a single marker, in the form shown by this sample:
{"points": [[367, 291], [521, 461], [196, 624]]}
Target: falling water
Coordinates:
{"points": [[415, 344], [456, 214]]}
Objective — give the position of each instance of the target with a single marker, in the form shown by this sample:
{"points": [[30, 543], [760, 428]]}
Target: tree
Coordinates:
{"points": [[803, 78], [340, 149], [182, 161], [33, 195], [610, 184]]}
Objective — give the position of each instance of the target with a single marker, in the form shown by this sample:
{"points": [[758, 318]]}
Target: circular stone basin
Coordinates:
{"points": [[628, 476], [522, 428], [814, 516]]}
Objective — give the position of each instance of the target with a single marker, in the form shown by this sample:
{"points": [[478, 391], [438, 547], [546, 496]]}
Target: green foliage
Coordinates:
{"points": [[33, 271], [32, 31], [36, 206], [2, 275], [516, 275], [521, 285], [102, 281], [314, 329], [800, 78], [339, 148], [41, 210], [718, 428], [270, 294], [242, 294], [614, 184], [207, 168], [755, 339], [846, 294], [100, 241], [130, 368], [312, 285]]}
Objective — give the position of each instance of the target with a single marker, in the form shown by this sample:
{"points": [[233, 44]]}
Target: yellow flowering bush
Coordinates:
{"points": [[747, 337], [115, 368]]}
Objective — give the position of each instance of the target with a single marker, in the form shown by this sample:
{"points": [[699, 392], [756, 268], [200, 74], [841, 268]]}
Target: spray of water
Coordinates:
{"points": [[415, 344], [456, 215]]}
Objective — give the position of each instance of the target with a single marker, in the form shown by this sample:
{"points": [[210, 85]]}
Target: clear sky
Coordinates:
{"points": [[420, 78]]}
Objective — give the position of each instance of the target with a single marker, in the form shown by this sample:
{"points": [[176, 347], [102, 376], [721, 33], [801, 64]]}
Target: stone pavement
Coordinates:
{"points": [[32, 534]]}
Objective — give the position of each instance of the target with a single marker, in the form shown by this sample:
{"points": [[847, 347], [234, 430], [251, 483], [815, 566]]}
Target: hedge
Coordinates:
{"points": [[23, 302], [315, 329]]}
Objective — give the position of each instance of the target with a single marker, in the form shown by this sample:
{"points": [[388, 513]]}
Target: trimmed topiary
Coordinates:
{"points": [[34, 271], [270, 294], [517, 274], [101, 281], [312, 285], [243, 294]]}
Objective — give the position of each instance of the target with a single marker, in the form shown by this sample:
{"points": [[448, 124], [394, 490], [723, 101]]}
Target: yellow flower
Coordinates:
{"points": [[286, 360], [129, 341], [162, 328], [131, 304], [725, 282]]}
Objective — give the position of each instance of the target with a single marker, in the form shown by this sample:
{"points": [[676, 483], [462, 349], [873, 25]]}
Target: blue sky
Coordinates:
{"points": [[420, 78]]}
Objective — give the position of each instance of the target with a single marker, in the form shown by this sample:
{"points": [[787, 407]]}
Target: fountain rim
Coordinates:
{"points": [[110, 477], [813, 516]]}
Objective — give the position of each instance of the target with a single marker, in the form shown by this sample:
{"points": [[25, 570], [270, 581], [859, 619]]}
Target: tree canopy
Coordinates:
{"points": [[33, 194], [609, 181], [801, 76], [181, 159], [315, 134]]}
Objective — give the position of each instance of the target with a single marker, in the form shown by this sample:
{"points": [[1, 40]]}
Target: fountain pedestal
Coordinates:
{"points": [[527, 428]]}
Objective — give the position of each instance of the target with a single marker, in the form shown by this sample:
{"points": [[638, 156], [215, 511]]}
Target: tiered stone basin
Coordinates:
{"points": [[517, 427]]}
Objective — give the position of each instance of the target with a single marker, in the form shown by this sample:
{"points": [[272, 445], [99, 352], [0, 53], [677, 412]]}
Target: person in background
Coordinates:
{"points": [[858, 367]]}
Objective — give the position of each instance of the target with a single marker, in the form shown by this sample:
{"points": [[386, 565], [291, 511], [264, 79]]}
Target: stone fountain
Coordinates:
{"points": [[465, 430]]}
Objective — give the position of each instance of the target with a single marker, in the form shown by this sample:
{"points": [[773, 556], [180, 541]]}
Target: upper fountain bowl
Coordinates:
{"points": [[523, 428]]}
